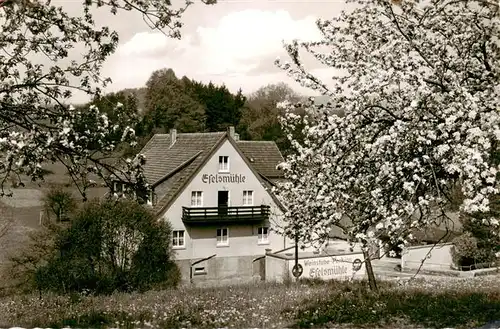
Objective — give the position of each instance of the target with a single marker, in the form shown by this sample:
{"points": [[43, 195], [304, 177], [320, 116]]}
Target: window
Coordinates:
{"points": [[150, 198], [178, 239], [199, 271], [118, 188], [196, 199], [263, 235], [224, 163], [222, 237], [248, 198], [125, 190]]}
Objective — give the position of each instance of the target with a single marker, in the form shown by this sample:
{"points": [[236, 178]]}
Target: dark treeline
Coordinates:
{"points": [[168, 102]]}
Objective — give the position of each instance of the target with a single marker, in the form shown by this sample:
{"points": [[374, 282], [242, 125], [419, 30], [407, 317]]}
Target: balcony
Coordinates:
{"points": [[225, 215]]}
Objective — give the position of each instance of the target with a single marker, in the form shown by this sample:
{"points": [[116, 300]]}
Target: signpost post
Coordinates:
{"points": [[297, 268]]}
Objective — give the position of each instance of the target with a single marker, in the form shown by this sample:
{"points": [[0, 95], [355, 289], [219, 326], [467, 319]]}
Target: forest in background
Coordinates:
{"points": [[187, 105]]}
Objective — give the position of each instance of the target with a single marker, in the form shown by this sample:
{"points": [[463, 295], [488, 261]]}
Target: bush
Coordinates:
{"points": [[59, 204], [477, 245], [465, 250], [111, 246], [488, 241]]}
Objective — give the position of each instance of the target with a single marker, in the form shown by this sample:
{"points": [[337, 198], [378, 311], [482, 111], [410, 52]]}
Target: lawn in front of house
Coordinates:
{"points": [[439, 303]]}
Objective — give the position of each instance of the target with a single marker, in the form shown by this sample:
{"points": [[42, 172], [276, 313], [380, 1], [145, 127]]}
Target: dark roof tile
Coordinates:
{"points": [[169, 167], [264, 156], [174, 185], [162, 159]]}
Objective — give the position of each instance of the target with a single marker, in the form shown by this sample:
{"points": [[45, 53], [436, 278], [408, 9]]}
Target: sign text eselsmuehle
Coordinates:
{"points": [[332, 267], [224, 178]]}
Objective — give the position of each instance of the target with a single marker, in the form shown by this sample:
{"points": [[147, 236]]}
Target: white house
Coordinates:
{"points": [[215, 190]]}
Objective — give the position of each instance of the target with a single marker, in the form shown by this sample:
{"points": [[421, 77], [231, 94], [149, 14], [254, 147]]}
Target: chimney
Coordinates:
{"points": [[173, 136], [236, 137], [230, 130]]}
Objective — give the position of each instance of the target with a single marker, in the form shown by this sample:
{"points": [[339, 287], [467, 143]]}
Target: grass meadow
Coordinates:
{"points": [[439, 303]]}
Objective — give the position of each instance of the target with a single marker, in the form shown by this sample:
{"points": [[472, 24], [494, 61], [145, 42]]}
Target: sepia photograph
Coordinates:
{"points": [[250, 164]]}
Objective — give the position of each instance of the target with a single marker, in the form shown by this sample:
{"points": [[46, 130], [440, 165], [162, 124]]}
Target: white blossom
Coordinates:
{"points": [[421, 116], [40, 69]]}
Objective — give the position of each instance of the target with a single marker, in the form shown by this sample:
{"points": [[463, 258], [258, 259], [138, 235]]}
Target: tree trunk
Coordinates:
{"points": [[369, 270]]}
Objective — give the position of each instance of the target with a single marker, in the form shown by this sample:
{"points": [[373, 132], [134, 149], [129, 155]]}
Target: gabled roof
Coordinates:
{"points": [[169, 167], [163, 159], [441, 231], [175, 184], [434, 235], [264, 157], [340, 231]]}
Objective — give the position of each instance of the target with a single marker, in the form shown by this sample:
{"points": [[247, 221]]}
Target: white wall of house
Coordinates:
{"points": [[201, 241], [436, 257]]}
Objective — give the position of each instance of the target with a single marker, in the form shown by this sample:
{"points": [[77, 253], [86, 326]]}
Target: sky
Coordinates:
{"points": [[234, 42]]}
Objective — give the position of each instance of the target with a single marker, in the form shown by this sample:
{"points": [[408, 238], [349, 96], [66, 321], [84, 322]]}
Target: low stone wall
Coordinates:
{"points": [[223, 270], [277, 269], [435, 257]]}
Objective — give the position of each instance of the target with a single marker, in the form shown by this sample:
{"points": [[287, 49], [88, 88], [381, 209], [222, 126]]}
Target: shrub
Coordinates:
{"points": [[111, 246], [464, 250], [59, 204], [477, 245], [486, 238], [488, 241]]}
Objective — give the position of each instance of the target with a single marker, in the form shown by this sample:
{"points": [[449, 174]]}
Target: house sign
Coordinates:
{"points": [[225, 178], [333, 267]]}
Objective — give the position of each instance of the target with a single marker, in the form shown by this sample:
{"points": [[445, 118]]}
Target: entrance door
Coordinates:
{"points": [[223, 202]]}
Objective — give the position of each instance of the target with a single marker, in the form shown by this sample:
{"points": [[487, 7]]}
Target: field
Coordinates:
{"points": [[439, 303]]}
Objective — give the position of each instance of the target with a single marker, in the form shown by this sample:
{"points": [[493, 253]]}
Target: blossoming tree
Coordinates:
{"points": [[47, 54], [418, 83]]}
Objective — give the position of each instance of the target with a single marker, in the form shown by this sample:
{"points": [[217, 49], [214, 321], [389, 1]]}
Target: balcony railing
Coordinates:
{"points": [[225, 215]]}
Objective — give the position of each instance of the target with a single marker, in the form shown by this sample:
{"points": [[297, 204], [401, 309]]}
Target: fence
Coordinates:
{"points": [[477, 266]]}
